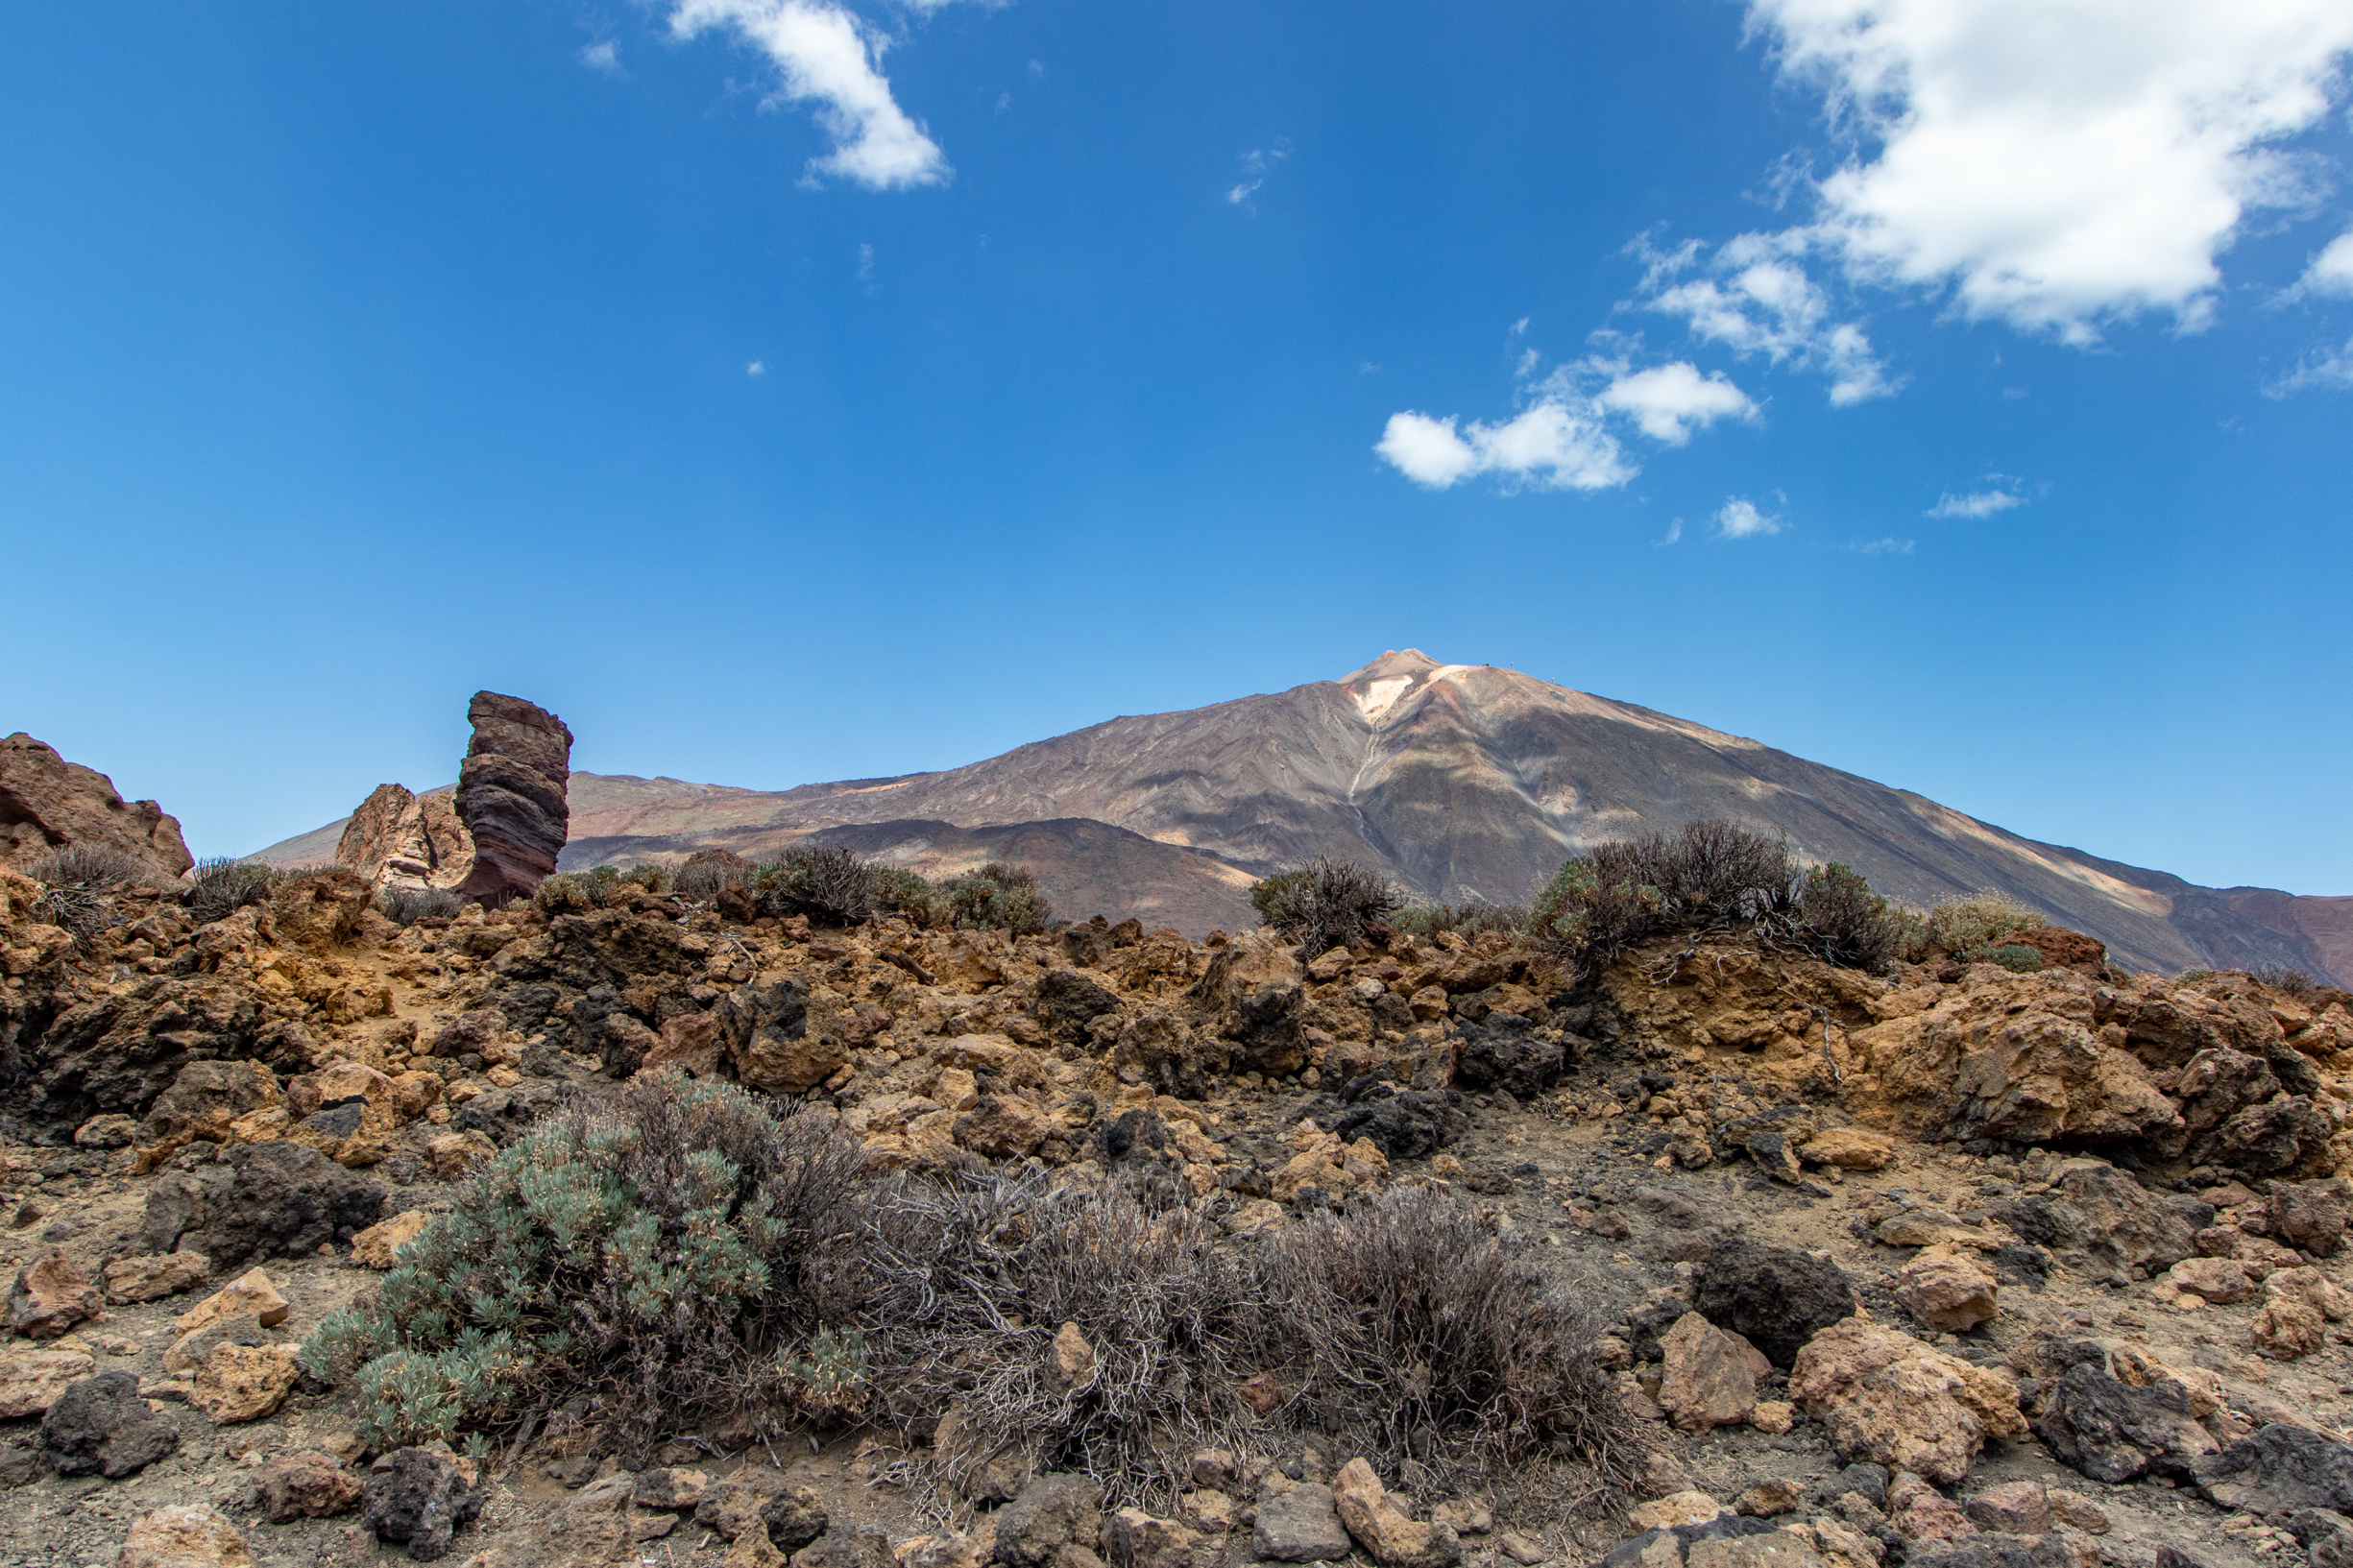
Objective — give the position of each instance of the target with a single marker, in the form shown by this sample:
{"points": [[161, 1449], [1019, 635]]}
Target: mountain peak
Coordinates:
{"points": [[1410, 663]]}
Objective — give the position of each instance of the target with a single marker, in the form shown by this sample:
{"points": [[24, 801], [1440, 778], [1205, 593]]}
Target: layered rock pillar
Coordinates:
{"points": [[511, 796]]}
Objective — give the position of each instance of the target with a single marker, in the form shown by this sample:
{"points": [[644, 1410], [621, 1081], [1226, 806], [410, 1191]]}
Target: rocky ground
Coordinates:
{"points": [[1954, 1265]]}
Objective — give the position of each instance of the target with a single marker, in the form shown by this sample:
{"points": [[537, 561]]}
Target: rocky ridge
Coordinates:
{"points": [[47, 803], [1957, 1263]]}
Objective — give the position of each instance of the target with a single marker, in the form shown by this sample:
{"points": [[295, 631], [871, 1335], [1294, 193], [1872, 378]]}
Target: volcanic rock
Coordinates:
{"points": [[1388, 1535], [421, 1496], [50, 1296], [305, 1485], [2279, 1469], [397, 839], [1776, 1298], [1052, 1513], [183, 1535], [1300, 1525], [101, 1426], [2113, 1432], [47, 803], [511, 796], [1887, 1398]]}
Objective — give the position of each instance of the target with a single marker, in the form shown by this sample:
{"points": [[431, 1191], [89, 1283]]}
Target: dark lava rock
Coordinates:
{"points": [[420, 1497], [1067, 1001], [2113, 1432], [2278, 1469], [2102, 1211], [1995, 1549], [793, 1518], [101, 1426], [1503, 1053], [257, 1200], [1775, 1297], [511, 796], [2309, 1215], [505, 1115], [1406, 1124]]}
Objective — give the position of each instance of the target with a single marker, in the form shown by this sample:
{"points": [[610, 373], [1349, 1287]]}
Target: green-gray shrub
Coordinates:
{"points": [[824, 881], [997, 898], [671, 1255], [1326, 903]]}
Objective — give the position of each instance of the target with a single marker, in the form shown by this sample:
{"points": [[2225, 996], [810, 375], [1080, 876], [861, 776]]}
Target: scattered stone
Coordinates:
{"points": [[2098, 1210], [792, 1518], [2309, 1215], [380, 1246], [2113, 1432], [1301, 1525], [679, 1491], [1673, 1509], [2278, 1469], [1133, 1539], [861, 1549], [419, 1496], [2297, 1305], [1850, 1149], [244, 1382], [1920, 1512], [1393, 1540], [259, 1200], [1070, 1362], [1054, 1511], [190, 1351], [1208, 1510], [1886, 1397], [32, 1380], [2219, 1281], [1770, 1499], [251, 1294], [1709, 1375], [50, 1296], [1464, 1516], [184, 1536], [1774, 1548], [132, 1280], [2018, 1507], [1947, 1289], [1520, 1549], [2060, 1549], [1776, 1298], [112, 1130], [101, 1426], [306, 1485], [732, 1503], [1773, 1415]]}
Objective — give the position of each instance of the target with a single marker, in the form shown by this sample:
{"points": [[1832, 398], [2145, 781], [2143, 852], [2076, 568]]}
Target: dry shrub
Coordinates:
{"points": [[1838, 918], [2295, 981], [997, 898], [408, 905], [973, 1282], [92, 866], [707, 871], [600, 887], [1471, 920], [1408, 1331], [219, 887], [1707, 875], [1326, 903], [823, 881]]}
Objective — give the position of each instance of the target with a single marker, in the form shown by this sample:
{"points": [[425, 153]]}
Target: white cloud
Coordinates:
{"points": [[1674, 534], [1254, 163], [1668, 401], [605, 56], [1974, 504], [1760, 302], [2333, 370], [2057, 162], [1740, 518], [1881, 546], [826, 57], [2331, 271], [756, 367], [1554, 443]]}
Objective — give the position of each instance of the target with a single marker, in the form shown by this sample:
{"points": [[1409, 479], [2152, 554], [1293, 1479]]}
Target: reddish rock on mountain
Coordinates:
{"points": [[47, 803], [511, 796]]}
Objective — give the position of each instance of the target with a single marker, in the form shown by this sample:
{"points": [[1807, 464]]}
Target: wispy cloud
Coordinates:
{"points": [[1754, 297], [2331, 272], [1881, 547], [604, 58], [1974, 503], [756, 368], [1673, 536], [2329, 369], [1551, 446], [827, 58], [1740, 518], [1255, 166]]}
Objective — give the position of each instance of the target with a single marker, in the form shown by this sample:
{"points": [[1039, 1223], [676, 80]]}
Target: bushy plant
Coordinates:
{"points": [[221, 887], [599, 887], [707, 871], [2015, 956], [92, 866], [899, 891], [1470, 919], [1967, 929], [1326, 903], [1708, 874], [997, 898], [671, 1255], [2297, 982], [1840, 918], [824, 881], [408, 905], [1406, 1329]]}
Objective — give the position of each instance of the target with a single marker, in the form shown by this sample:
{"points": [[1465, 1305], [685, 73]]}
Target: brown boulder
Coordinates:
{"points": [[2063, 948], [511, 796], [152, 1278], [47, 803], [1708, 1375], [32, 1380], [244, 1382], [50, 1296], [397, 839], [183, 1535], [1889, 1399], [306, 1485], [1947, 1289]]}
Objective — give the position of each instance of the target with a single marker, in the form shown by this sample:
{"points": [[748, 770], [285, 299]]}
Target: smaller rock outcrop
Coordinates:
{"points": [[47, 803], [1889, 1399], [398, 839], [511, 796]]}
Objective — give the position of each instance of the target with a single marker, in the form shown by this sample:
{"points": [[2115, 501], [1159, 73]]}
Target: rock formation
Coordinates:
{"points": [[510, 796], [47, 803], [397, 839]]}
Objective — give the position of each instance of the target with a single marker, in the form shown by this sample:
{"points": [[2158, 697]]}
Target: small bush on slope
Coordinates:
{"points": [[669, 1255], [600, 887], [1326, 903], [997, 898], [1471, 920], [408, 905], [220, 887], [824, 881], [1969, 929]]}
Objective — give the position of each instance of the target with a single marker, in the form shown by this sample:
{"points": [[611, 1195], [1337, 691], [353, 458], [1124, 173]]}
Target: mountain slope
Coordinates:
{"points": [[1465, 781]]}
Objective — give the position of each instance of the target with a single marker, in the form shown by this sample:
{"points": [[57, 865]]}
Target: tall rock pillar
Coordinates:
{"points": [[510, 796]]}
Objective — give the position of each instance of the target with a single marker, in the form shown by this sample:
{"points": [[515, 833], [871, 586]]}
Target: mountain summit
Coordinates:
{"points": [[1465, 781]]}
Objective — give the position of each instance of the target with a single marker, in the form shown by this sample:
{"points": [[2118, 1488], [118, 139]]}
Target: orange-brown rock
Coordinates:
{"points": [[47, 803], [1887, 1398], [397, 839]]}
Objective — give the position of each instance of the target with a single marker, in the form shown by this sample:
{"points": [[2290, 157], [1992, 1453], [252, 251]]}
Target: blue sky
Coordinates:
{"points": [[786, 390]]}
